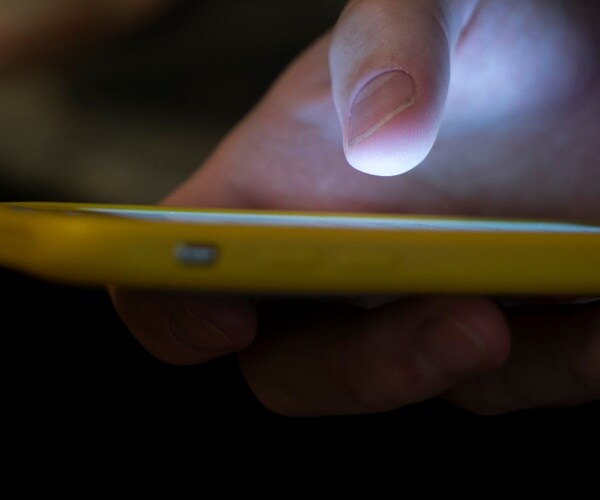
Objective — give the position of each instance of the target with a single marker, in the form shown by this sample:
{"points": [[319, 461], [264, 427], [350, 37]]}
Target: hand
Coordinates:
{"points": [[497, 102]]}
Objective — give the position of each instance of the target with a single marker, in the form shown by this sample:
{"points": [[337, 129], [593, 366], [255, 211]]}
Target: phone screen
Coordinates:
{"points": [[360, 222]]}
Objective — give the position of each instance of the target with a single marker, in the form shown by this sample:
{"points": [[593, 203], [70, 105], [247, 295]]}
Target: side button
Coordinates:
{"points": [[193, 254]]}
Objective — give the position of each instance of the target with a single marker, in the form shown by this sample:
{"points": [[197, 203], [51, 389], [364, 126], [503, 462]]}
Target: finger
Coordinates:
{"points": [[352, 361], [555, 361], [186, 329], [390, 67]]}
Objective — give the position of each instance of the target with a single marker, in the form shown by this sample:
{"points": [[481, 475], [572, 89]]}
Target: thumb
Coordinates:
{"points": [[390, 68]]}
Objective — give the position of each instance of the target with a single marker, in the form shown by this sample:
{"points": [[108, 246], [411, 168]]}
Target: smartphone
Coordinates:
{"points": [[256, 251]]}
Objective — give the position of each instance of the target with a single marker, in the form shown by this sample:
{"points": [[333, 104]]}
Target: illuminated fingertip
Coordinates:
{"points": [[384, 161], [396, 148]]}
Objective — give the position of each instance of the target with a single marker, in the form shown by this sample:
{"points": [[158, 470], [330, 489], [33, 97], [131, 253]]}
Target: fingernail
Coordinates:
{"points": [[378, 102], [449, 346], [197, 333]]}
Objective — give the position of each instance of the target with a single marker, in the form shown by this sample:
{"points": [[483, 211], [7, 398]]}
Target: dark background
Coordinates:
{"points": [[126, 124]]}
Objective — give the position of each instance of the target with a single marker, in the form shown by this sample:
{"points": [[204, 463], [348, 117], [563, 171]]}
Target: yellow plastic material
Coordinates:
{"points": [[69, 243]]}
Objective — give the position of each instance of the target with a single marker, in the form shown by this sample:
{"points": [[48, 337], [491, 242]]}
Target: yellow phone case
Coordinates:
{"points": [[88, 244]]}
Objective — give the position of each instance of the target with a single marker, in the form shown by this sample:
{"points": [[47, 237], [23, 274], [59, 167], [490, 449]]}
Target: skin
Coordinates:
{"points": [[502, 121], [506, 114]]}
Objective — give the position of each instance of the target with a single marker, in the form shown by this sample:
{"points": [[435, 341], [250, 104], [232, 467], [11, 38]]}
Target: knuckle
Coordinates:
{"points": [[391, 387], [476, 397]]}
